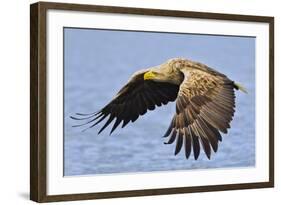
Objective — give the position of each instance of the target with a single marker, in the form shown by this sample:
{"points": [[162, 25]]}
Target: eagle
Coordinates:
{"points": [[205, 104]]}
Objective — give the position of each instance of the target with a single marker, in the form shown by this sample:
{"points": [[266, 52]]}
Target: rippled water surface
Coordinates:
{"points": [[96, 65]]}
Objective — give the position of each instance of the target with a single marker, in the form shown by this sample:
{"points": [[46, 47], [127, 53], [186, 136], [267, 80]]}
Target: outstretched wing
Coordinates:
{"points": [[205, 105], [133, 100]]}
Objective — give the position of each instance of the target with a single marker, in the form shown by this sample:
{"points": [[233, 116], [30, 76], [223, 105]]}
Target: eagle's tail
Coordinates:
{"points": [[238, 86]]}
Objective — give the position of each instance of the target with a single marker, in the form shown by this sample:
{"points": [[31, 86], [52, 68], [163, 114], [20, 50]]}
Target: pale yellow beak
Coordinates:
{"points": [[149, 75]]}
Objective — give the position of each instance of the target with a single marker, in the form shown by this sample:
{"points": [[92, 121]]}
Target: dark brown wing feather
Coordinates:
{"points": [[133, 100], [204, 108]]}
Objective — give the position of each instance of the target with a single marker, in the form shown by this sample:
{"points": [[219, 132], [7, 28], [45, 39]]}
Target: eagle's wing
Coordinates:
{"points": [[133, 100], [205, 105]]}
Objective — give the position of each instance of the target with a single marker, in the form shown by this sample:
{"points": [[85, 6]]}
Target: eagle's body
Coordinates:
{"points": [[205, 103]]}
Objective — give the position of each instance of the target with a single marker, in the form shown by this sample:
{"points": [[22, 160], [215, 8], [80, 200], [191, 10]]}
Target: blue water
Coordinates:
{"points": [[99, 62]]}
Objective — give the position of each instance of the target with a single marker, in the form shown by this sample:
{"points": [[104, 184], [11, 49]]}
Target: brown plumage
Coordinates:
{"points": [[205, 103]]}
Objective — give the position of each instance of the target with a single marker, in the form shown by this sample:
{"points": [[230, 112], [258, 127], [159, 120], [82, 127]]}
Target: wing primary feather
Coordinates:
{"points": [[117, 122], [133, 111], [81, 118], [107, 123], [210, 135], [195, 143], [171, 91], [203, 138], [143, 104], [190, 114], [226, 101], [216, 112], [170, 128], [179, 142], [206, 146], [125, 122], [215, 131], [156, 99], [172, 138], [148, 95], [87, 114], [137, 107], [222, 109], [149, 102], [179, 104], [104, 116], [127, 112], [185, 119], [200, 129], [199, 100], [101, 115], [177, 122], [187, 143], [162, 94], [213, 121]]}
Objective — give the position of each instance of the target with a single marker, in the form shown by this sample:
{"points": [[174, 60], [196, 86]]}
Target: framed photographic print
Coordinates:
{"points": [[134, 102]]}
